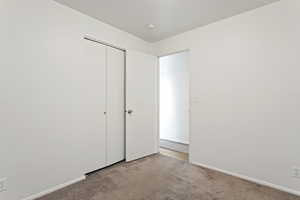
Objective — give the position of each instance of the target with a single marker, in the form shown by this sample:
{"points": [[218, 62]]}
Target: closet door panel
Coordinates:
{"points": [[141, 105], [92, 90], [115, 64]]}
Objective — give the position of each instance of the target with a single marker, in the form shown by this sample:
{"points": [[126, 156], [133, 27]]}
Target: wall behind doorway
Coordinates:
{"points": [[245, 93], [174, 97]]}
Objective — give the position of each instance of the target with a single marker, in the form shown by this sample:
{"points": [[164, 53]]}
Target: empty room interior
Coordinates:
{"points": [[150, 100]]}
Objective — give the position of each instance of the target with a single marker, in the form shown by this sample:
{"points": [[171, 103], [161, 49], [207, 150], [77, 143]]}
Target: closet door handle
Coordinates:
{"points": [[130, 112]]}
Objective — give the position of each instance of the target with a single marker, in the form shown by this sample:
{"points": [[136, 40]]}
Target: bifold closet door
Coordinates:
{"points": [[93, 106], [115, 100]]}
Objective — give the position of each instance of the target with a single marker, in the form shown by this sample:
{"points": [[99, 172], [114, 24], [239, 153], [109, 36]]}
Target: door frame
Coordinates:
{"points": [[189, 90]]}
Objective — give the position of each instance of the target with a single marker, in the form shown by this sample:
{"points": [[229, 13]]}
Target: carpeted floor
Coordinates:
{"points": [[160, 177]]}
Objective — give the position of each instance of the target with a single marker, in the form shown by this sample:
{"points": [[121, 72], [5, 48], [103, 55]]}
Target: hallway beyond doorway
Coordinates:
{"points": [[174, 154], [174, 101]]}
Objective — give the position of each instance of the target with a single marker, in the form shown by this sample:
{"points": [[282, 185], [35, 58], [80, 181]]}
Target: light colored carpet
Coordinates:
{"points": [[160, 177]]}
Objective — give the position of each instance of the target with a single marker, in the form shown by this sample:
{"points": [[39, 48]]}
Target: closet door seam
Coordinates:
{"points": [[106, 108]]}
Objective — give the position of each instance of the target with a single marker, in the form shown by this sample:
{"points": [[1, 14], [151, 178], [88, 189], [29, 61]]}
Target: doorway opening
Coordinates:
{"points": [[174, 105]]}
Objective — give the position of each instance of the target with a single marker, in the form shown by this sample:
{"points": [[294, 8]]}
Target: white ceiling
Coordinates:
{"points": [[170, 17]]}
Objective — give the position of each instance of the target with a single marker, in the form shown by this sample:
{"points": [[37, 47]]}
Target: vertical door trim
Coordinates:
{"points": [[106, 113], [125, 103]]}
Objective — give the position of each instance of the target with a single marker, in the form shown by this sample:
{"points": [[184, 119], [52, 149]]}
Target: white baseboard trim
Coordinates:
{"points": [[53, 189], [253, 180], [178, 142]]}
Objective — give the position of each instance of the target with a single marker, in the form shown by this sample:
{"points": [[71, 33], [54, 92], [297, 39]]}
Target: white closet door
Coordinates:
{"points": [[115, 105], [141, 105], [93, 84]]}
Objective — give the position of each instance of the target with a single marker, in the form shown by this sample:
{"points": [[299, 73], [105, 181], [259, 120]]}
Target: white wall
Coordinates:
{"points": [[245, 92], [43, 122], [174, 98]]}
